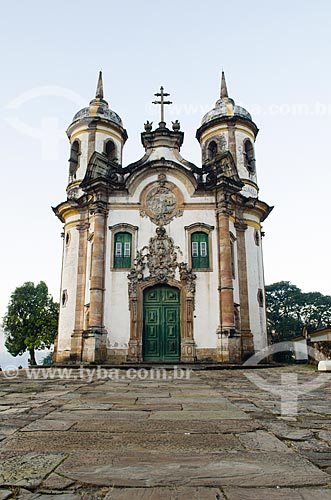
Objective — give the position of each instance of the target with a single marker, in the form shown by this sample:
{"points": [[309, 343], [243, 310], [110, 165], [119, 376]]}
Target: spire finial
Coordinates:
{"points": [[224, 90], [99, 92]]}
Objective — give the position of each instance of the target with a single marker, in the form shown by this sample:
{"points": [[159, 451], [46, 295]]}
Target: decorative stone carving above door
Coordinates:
{"points": [[155, 264]]}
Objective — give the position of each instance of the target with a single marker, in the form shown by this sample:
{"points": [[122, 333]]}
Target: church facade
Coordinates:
{"points": [[162, 259]]}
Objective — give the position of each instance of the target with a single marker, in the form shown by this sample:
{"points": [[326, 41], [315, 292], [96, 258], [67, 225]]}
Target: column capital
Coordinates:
{"points": [[240, 225], [99, 208], [224, 209], [82, 226]]}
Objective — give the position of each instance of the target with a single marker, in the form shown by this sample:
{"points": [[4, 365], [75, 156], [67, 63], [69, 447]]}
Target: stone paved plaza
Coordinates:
{"points": [[211, 435]]}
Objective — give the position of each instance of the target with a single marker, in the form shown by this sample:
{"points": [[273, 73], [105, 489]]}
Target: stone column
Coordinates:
{"points": [[77, 335], [91, 139], [95, 349], [232, 140], [226, 329], [246, 334], [188, 346], [135, 343]]}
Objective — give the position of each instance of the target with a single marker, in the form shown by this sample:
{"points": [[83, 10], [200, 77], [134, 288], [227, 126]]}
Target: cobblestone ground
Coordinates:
{"points": [[211, 435]]}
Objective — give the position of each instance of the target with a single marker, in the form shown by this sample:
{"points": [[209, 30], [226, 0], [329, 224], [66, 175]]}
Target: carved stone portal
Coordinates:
{"points": [[156, 264]]}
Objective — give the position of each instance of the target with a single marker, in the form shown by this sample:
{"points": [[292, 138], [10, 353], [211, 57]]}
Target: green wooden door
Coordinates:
{"points": [[161, 329]]}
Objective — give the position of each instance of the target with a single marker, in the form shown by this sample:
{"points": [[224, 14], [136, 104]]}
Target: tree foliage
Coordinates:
{"points": [[31, 320], [48, 360], [289, 310]]}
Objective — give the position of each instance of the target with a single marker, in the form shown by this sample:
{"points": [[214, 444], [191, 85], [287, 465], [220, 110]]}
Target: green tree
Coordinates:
{"points": [[31, 320], [289, 310], [48, 360]]}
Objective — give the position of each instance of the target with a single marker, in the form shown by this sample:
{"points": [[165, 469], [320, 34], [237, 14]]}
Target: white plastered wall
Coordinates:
{"points": [[255, 279], [206, 314], [69, 283], [242, 170]]}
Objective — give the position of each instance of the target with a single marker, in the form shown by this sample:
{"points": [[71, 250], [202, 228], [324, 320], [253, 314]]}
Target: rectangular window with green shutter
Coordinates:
{"points": [[199, 250], [122, 250]]}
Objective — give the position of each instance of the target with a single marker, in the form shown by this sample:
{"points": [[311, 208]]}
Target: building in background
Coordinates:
{"points": [[162, 259]]}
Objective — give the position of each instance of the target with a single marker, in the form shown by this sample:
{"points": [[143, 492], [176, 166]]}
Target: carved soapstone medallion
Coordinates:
{"points": [[161, 203]]}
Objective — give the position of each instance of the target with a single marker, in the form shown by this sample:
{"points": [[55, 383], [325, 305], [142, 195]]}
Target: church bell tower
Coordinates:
{"points": [[94, 129]]}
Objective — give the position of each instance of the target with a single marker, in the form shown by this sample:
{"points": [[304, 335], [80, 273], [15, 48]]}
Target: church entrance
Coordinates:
{"points": [[161, 324]]}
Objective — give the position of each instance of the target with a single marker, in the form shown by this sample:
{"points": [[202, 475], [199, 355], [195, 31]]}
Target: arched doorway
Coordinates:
{"points": [[161, 324]]}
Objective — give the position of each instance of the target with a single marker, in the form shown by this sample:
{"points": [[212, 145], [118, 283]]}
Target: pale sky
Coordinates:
{"points": [[276, 58]]}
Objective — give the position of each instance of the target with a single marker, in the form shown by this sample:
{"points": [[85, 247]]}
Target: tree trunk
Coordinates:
{"points": [[33, 361]]}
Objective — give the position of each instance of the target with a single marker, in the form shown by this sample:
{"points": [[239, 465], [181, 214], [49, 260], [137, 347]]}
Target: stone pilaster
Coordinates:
{"points": [[246, 334], [232, 140], [135, 353], [77, 335], [188, 346], [91, 140], [226, 332], [95, 349]]}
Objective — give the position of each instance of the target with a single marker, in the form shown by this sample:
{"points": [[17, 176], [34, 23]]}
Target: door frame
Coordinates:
{"points": [[188, 352], [162, 306]]}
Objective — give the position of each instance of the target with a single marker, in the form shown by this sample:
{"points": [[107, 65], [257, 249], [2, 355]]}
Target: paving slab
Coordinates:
{"points": [[56, 482], [214, 434], [228, 412], [86, 405], [147, 426], [4, 494], [29, 469], [173, 493], [96, 415], [263, 441], [322, 459], [60, 496], [277, 494], [48, 425], [147, 407], [246, 469], [185, 442]]}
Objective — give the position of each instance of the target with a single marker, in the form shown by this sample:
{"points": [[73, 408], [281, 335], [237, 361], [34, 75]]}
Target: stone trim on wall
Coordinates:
{"points": [[119, 228], [155, 265], [204, 228]]}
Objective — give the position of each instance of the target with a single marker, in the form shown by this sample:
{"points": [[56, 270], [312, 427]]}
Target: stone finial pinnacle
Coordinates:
{"points": [[224, 90], [99, 92]]}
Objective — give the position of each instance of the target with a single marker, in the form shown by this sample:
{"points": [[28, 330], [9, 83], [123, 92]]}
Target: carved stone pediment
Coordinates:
{"points": [[100, 169], [159, 261], [222, 167]]}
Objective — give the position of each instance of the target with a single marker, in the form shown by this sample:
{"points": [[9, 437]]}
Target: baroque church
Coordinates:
{"points": [[162, 258]]}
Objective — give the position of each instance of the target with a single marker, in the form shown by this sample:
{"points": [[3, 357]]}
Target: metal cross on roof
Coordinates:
{"points": [[162, 102]]}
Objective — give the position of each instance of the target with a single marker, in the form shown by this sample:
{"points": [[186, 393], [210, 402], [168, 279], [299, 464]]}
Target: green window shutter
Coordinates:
{"points": [[122, 250], [199, 250]]}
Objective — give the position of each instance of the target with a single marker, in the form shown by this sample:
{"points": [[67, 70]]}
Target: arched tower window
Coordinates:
{"points": [[249, 156], [110, 150], [74, 159], [212, 150]]}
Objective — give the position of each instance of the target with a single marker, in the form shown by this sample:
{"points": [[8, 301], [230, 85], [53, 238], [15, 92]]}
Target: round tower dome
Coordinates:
{"points": [[229, 127], [225, 109], [94, 128]]}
